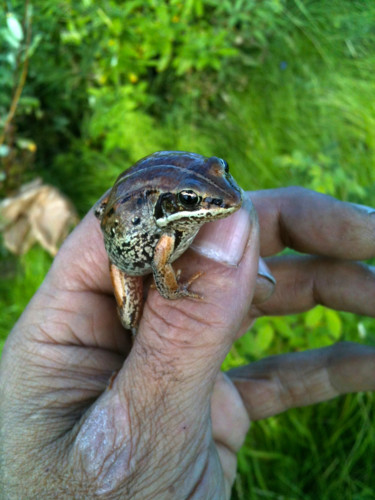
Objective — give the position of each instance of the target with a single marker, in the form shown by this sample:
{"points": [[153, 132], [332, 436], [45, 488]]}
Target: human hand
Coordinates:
{"points": [[70, 429]]}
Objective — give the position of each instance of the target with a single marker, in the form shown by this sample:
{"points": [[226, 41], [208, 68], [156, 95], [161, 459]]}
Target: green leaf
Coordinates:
{"points": [[233, 360], [13, 42], [264, 337], [199, 8], [34, 44], [314, 317], [334, 323], [319, 338], [14, 27], [282, 326]]}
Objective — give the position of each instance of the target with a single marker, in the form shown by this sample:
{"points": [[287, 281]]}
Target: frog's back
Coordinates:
{"points": [[166, 168], [180, 159]]}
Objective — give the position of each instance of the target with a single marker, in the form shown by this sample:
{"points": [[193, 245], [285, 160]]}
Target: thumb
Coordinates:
{"points": [[182, 343]]}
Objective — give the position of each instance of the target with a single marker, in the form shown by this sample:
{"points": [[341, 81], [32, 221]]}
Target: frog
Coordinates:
{"points": [[151, 216]]}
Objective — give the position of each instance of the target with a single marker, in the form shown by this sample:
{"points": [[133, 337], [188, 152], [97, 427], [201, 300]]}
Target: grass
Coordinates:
{"points": [[307, 117], [20, 280], [318, 452]]}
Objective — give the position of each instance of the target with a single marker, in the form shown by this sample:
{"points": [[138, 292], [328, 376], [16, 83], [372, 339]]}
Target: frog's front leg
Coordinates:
{"points": [[129, 297], [165, 278]]}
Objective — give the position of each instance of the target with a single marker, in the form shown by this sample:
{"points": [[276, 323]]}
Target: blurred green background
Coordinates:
{"points": [[282, 89]]}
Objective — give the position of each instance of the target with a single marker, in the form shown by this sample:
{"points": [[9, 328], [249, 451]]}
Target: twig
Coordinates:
{"points": [[22, 79]]}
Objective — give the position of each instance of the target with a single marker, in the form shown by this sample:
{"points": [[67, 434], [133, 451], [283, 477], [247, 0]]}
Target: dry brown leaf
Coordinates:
{"points": [[38, 213]]}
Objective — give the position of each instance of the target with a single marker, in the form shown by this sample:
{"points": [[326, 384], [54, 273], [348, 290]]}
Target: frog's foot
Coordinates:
{"points": [[183, 288], [129, 297], [178, 289], [166, 280], [168, 284]]}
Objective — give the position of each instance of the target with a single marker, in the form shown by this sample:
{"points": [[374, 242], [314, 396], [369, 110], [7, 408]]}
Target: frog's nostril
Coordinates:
{"points": [[214, 201]]}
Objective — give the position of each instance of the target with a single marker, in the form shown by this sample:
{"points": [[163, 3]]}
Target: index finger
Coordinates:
{"points": [[313, 223]]}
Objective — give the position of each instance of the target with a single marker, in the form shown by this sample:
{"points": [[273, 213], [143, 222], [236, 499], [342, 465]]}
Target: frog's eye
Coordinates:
{"points": [[188, 199]]}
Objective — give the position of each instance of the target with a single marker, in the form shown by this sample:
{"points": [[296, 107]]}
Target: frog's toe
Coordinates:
{"points": [[184, 287]]}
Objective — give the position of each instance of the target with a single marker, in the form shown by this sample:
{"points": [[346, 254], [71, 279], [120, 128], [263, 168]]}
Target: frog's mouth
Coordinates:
{"points": [[199, 216]]}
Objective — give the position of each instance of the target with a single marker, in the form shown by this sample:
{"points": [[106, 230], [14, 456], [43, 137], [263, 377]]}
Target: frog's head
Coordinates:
{"points": [[195, 189], [181, 188]]}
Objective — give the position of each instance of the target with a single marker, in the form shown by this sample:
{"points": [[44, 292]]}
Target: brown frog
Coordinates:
{"points": [[151, 216]]}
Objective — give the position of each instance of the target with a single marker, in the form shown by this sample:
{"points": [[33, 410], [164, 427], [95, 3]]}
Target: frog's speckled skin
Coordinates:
{"points": [[152, 215]]}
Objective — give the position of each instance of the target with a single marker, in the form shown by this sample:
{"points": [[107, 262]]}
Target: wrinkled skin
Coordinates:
{"points": [[85, 415]]}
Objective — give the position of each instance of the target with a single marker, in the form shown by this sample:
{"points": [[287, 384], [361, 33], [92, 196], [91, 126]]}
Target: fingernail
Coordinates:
{"points": [[264, 272], [364, 209], [225, 240], [265, 284]]}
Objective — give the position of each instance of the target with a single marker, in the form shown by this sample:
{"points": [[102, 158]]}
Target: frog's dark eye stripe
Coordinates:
{"points": [[188, 199]]}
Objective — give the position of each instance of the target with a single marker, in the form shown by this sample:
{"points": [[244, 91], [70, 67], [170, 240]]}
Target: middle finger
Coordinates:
{"points": [[313, 223]]}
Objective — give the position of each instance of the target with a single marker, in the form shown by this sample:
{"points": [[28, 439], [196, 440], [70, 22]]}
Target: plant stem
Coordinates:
{"points": [[21, 82]]}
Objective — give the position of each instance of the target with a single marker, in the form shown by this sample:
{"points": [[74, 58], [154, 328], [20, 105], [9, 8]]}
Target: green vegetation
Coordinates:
{"points": [[283, 89]]}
